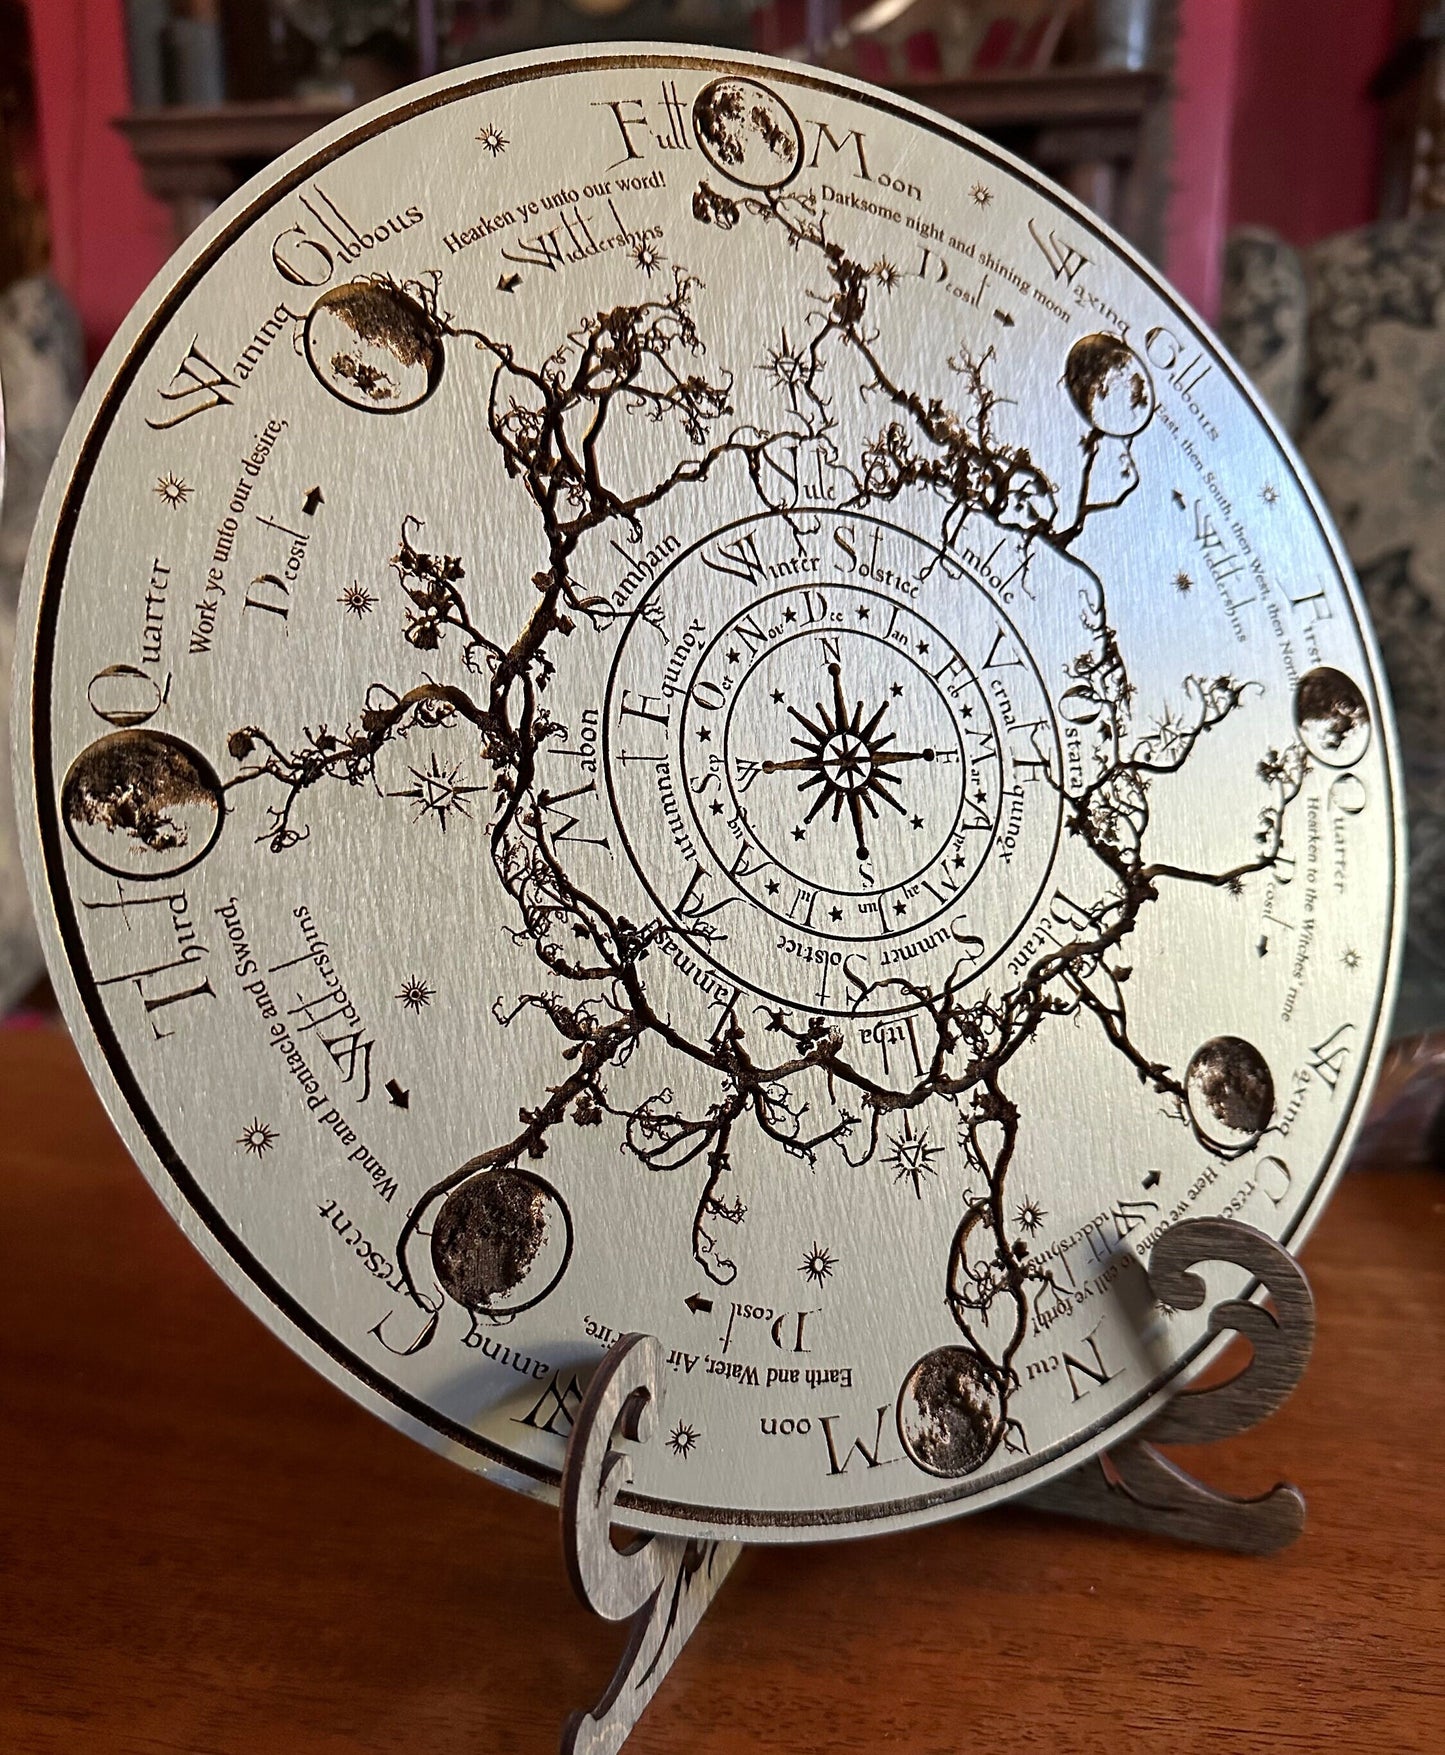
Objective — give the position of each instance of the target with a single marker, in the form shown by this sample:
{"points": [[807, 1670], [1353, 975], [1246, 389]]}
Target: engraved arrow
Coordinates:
{"points": [[314, 498], [509, 283], [697, 1304], [402, 1099]]}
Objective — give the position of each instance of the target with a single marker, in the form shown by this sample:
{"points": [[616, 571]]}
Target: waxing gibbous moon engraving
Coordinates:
{"points": [[1110, 385], [142, 804], [1230, 1092]]}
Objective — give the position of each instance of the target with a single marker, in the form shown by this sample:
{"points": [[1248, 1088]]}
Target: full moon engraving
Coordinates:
{"points": [[748, 133]]}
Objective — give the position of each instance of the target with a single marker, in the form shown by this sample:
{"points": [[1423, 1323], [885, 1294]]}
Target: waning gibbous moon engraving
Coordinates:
{"points": [[1230, 1092], [501, 1242], [1333, 719], [142, 804], [374, 347], [948, 1412]]}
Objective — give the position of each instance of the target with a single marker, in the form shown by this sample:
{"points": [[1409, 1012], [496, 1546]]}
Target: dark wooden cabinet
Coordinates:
{"points": [[1089, 129]]}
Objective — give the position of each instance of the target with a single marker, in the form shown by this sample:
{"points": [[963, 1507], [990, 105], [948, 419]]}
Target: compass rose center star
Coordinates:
{"points": [[848, 763]]}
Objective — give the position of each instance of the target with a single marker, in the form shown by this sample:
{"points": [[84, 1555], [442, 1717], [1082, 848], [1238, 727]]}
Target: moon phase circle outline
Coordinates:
{"points": [[1230, 1092], [734, 117], [1332, 716], [495, 1234], [948, 1413], [374, 347]]}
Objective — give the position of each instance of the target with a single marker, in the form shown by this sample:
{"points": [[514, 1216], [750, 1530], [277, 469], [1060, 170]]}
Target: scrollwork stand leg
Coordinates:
{"points": [[664, 1584], [1133, 1484]]}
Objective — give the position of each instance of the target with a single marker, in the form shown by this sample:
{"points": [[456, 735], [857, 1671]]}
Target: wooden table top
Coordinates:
{"points": [[206, 1548]]}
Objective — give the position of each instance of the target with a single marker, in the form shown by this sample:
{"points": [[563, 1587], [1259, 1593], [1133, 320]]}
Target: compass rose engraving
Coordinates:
{"points": [[858, 763], [849, 762], [836, 723]]}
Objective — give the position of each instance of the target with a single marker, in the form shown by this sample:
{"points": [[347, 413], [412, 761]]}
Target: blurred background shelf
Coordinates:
{"points": [[193, 156], [1088, 128], [1083, 126]]}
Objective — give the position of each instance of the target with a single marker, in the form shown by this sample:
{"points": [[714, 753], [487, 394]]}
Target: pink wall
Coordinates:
{"points": [[1306, 138], [1271, 126], [1206, 79], [108, 236]]}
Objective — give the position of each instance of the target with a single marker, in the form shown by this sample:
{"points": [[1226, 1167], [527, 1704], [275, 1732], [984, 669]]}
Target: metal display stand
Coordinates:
{"points": [[664, 1584]]}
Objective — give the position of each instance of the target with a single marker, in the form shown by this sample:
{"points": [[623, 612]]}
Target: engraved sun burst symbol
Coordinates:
{"points": [[258, 1138], [438, 792], [1183, 583], [647, 256], [171, 491], [1351, 959], [885, 274], [1269, 493], [1030, 1217], [982, 194], [912, 1156], [493, 139], [415, 993], [818, 1264], [357, 600], [682, 1440]]}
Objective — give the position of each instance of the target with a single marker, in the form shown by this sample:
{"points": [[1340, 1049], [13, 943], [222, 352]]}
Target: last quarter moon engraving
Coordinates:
{"points": [[723, 746]]}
